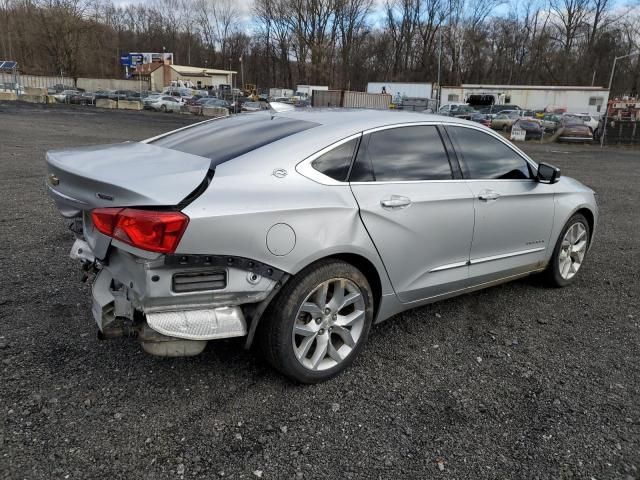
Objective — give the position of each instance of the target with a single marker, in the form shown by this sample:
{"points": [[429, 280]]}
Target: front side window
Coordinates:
{"points": [[486, 157], [336, 163], [403, 154]]}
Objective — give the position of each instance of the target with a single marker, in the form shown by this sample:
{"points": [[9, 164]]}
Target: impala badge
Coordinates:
{"points": [[53, 180], [279, 173]]}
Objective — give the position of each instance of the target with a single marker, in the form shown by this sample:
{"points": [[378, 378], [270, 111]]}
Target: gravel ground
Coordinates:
{"points": [[518, 381]]}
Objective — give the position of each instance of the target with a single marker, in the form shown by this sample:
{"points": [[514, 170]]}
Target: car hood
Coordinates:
{"points": [[124, 174]]}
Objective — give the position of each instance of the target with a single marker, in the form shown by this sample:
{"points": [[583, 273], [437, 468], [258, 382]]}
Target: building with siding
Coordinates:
{"points": [[161, 75], [576, 99]]}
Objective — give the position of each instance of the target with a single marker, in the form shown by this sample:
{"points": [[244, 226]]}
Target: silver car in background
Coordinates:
{"points": [[301, 229]]}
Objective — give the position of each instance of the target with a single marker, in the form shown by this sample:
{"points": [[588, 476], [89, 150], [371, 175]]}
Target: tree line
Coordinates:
{"points": [[340, 43]]}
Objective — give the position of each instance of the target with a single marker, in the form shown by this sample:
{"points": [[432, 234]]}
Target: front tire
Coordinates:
{"points": [[319, 322], [570, 251]]}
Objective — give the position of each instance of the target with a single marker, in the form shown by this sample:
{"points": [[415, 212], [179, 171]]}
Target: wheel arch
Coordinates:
{"points": [[369, 270], [361, 262], [591, 219]]}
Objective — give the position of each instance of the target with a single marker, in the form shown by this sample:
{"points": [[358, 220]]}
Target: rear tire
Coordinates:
{"points": [[570, 252], [318, 324]]}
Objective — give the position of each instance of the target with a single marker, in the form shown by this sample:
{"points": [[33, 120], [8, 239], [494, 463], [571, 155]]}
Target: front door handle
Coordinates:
{"points": [[395, 201], [488, 195]]}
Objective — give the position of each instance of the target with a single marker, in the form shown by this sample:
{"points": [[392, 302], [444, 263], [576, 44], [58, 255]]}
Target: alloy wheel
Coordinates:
{"points": [[572, 250], [329, 324]]}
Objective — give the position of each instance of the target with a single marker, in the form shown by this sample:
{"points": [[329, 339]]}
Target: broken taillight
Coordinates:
{"points": [[151, 230]]}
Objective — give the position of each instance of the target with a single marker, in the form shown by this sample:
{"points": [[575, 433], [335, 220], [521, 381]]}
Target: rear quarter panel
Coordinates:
{"points": [[245, 200]]}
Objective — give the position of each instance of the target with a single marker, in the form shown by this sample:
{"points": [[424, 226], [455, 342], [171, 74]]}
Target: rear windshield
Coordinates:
{"points": [[223, 140]]}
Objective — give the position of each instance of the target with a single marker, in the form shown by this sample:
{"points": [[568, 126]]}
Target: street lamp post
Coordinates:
{"points": [[606, 113]]}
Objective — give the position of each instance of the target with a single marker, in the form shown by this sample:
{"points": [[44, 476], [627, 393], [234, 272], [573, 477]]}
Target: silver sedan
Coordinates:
{"points": [[301, 229]]}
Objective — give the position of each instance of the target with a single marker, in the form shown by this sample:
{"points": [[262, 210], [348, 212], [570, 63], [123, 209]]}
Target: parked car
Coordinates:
{"points": [[589, 120], [194, 99], [533, 129], [496, 109], [12, 87], [178, 92], [149, 99], [57, 88], [458, 110], [315, 225], [482, 119], [65, 95], [502, 121], [83, 98], [124, 95], [550, 121], [165, 103], [506, 118], [251, 106], [572, 129], [102, 94], [215, 102]]}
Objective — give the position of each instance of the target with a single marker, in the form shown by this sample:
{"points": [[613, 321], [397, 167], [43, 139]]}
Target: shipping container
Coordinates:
{"points": [[401, 90], [306, 91], [327, 98], [348, 99], [376, 101]]}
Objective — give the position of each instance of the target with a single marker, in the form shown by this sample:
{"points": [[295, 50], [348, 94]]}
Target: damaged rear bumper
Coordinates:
{"points": [[186, 300]]}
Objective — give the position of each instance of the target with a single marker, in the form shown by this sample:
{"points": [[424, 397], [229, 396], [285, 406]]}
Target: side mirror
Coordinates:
{"points": [[547, 173]]}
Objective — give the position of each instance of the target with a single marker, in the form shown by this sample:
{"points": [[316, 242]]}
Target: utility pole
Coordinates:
{"points": [[439, 63], [606, 113]]}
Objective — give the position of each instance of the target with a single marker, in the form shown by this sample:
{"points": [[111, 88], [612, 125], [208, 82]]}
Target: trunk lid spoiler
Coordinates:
{"points": [[122, 175]]}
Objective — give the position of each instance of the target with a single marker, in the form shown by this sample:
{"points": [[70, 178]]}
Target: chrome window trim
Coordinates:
{"points": [[305, 168]]}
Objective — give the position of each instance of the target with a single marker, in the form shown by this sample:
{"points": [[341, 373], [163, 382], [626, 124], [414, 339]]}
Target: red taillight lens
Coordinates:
{"points": [[145, 229]]}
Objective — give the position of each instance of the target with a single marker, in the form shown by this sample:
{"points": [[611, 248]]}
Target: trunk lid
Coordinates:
{"points": [[122, 175]]}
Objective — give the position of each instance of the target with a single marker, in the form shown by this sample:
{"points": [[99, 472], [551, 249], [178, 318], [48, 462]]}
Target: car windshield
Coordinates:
{"points": [[252, 104], [226, 139], [528, 124]]}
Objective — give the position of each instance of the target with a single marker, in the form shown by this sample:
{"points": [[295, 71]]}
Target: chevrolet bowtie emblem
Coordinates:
{"points": [[53, 180]]}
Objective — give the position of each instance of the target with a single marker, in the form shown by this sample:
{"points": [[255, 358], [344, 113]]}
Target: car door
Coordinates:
{"points": [[416, 208], [173, 104], [513, 212]]}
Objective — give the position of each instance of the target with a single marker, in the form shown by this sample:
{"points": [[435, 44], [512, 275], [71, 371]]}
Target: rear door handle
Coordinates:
{"points": [[488, 195], [395, 201]]}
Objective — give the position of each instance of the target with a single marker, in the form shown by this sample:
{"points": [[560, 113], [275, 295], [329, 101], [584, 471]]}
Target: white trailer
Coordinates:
{"points": [[575, 99], [402, 90], [306, 91], [280, 92]]}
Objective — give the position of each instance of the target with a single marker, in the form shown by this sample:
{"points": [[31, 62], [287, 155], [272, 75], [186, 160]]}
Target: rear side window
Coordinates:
{"points": [[225, 139], [485, 157], [336, 163], [403, 154]]}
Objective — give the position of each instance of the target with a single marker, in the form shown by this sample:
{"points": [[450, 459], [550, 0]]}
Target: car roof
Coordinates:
{"points": [[357, 119]]}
